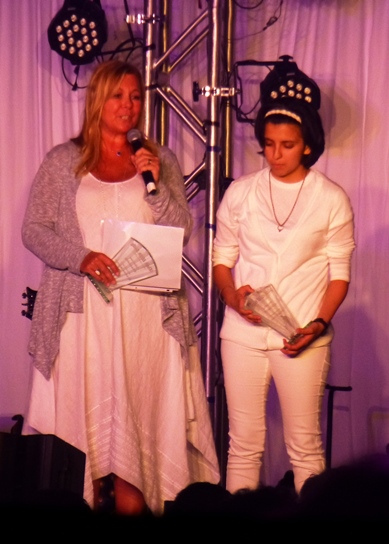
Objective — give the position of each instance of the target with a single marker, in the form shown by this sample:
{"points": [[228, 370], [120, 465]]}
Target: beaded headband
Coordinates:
{"points": [[286, 81], [285, 112]]}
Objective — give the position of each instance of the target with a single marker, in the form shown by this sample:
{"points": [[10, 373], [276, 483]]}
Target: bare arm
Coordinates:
{"points": [[334, 296]]}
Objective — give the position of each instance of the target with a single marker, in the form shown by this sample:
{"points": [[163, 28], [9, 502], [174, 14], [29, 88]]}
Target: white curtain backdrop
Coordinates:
{"points": [[344, 46]]}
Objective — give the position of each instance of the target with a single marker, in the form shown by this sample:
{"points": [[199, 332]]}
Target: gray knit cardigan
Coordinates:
{"points": [[52, 232]]}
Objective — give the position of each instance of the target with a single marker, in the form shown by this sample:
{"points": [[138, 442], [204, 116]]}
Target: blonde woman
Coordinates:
{"points": [[122, 381]]}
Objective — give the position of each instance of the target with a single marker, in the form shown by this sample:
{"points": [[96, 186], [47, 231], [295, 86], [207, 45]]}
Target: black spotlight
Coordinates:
{"points": [[78, 31]]}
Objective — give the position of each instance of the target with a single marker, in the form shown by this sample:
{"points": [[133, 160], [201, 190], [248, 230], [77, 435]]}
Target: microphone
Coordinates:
{"points": [[135, 139]]}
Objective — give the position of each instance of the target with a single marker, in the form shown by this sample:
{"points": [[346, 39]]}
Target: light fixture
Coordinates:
{"points": [[78, 31]]}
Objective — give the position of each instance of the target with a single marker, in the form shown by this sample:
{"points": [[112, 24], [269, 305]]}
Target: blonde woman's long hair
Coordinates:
{"points": [[104, 80]]}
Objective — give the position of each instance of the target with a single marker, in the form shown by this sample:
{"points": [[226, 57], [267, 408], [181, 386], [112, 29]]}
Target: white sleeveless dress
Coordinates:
{"points": [[120, 390]]}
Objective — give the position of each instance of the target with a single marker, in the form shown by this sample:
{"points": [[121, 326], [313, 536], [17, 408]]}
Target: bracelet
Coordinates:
{"points": [[221, 291], [324, 323]]}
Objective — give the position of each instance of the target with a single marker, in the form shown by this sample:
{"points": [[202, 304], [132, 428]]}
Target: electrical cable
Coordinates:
{"points": [[248, 7]]}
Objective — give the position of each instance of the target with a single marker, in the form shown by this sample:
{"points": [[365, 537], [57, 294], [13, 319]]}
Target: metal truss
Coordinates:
{"points": [[214, 24]]}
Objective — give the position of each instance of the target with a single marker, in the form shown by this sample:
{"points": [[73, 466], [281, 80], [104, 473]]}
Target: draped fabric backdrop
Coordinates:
{"points": [[344, 46]]}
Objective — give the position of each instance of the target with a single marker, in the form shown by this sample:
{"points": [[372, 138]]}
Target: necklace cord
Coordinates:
{"points": [[280, 226]]}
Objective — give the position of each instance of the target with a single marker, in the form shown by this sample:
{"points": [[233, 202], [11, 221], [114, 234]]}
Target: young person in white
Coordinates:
{"points": [[290, 226]]}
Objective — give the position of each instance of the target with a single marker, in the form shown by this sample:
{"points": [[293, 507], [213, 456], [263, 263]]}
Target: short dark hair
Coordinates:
{"points": [[292, 111]]}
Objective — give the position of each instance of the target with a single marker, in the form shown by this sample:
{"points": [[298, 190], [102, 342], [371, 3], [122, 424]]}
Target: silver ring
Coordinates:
{"points": [[98, 272], [149, 161]]}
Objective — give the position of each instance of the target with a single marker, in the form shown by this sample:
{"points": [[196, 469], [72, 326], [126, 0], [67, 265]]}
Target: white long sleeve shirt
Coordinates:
{"points": [[314, 247]]}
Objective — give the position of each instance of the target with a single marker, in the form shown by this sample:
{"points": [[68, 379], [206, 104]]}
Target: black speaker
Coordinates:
{"points": [[34, 463]]}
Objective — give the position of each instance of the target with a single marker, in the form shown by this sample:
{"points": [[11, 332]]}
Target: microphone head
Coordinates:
{"points": [[134, 134]]}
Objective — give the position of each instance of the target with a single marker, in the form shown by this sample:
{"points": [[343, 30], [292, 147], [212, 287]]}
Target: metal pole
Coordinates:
{"points": [[149, 45], [162, 128], [221, 414], [208, 335], [227, 109]]}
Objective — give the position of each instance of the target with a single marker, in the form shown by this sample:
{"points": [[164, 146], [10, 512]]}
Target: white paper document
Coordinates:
{"points": [[149, 256]]}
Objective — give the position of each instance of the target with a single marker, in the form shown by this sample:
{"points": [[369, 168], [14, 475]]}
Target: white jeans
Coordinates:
{"points": [[300, 384]]}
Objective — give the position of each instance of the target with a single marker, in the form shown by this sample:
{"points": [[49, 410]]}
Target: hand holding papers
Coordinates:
{"points": [[267, 303], [149, 257]]}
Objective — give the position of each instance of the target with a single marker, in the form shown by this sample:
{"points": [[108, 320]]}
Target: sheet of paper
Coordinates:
{"points": [[164, 245]]}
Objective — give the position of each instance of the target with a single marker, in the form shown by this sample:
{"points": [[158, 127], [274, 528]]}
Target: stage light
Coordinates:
{"points": [[78, 31]]}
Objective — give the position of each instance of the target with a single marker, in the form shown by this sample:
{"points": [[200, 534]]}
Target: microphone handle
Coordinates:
{"points": [[148, 178], [147, 175]]}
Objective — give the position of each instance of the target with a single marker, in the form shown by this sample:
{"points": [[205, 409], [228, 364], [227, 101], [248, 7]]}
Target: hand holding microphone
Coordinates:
{"points": [[135, 139]]}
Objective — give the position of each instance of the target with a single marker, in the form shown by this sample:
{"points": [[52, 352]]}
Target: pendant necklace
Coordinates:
{"points": [[280, 226]]}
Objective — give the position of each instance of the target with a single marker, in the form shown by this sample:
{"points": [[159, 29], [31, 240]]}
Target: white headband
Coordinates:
{"points": [[285, 112]]}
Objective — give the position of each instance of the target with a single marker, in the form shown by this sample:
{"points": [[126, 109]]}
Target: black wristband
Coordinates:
{"points": [[324, 323]]}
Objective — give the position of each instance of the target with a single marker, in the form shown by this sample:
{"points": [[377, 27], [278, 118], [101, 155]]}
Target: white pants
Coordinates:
{"points": [[300, 384]]}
